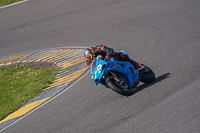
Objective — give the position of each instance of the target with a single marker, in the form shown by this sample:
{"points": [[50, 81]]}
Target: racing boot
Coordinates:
{"points": [[126, 58]]}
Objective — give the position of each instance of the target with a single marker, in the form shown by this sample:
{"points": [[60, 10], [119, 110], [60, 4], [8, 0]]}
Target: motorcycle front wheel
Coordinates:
{"points": [[123, 89]]}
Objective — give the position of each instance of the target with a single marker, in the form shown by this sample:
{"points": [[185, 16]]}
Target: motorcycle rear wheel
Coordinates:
{"points": [[147, 77]]}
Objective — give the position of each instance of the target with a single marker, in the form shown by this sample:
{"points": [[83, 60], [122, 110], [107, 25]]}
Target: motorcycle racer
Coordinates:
{"points": [[106, 53]]}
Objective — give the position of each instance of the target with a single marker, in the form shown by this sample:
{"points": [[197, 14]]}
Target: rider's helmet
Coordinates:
{"points": [[89, 54]]}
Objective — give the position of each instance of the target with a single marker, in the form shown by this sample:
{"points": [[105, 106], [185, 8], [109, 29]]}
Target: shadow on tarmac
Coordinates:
{"points": [[144, 86]]}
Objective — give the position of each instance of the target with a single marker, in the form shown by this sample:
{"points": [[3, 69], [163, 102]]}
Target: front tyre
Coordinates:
{"points": [[123, 89]]}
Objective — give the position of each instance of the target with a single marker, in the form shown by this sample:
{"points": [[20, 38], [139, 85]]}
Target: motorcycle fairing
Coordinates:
{"points": [[98, 67]]}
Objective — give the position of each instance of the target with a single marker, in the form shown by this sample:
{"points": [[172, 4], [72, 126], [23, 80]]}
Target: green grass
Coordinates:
{"points": [[7, 2], [19, 84]]}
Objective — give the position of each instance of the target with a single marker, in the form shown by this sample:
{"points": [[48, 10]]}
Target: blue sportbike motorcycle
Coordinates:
{"points": [[120, 76]]}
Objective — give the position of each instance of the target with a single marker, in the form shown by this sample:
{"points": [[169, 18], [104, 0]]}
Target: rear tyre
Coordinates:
{"points": [[147, 75], [124, 89]]}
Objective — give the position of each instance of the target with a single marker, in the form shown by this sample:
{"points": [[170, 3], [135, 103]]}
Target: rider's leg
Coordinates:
{"points": [[123, 57]]}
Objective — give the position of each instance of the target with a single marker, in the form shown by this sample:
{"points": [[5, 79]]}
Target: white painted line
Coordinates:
{"points": [[67, 47], [14, 4], [67, 57]]}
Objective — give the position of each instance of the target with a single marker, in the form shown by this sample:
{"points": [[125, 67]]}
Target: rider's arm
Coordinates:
{"points": [[106, 50]]}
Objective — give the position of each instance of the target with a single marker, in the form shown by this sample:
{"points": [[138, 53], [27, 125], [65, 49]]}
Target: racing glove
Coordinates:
{"points": [[88, 63]]}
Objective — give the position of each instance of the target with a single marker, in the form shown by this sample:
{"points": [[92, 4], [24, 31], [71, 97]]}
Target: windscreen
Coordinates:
{"points": [[93, 65]]}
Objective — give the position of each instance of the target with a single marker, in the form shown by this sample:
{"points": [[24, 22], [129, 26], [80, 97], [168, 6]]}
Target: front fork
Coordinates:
{"points": [[118, 79], [112, 73]]}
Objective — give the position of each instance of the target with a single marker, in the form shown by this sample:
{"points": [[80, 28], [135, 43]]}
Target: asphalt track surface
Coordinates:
{"points": [[164, 35]]}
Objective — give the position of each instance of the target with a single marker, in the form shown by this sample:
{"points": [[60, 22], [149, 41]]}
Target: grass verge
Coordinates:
{"points": [[7, 2], [19, 84]]}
